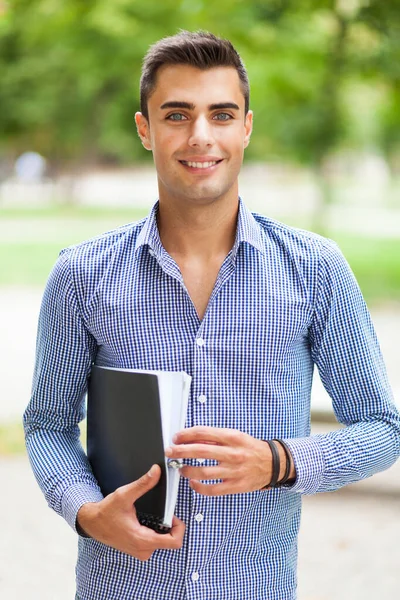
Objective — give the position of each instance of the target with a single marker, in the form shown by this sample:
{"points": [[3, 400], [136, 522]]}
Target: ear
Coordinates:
{"points": [[248, 127], [143, 129]]}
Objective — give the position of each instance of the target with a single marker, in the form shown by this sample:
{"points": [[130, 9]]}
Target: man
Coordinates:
{"points": [[246, 306]]}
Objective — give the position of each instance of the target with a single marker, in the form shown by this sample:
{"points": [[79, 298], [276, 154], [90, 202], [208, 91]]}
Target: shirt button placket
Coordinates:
{"points": [[197, 514], [201, 398]]}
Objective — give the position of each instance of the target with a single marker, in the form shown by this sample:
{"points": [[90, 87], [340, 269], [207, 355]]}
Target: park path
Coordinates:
{"points": [[348, 547]]}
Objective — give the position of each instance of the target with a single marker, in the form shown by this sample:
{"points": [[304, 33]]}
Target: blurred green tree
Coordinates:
{"points": [[70, 74], [383, 65]]}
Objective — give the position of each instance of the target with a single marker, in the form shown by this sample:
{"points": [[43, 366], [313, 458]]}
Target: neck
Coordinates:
{"points": [[198, 230]]}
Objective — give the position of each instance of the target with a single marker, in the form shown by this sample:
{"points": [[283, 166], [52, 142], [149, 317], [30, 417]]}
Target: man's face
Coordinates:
{"points": [[197, 131]]}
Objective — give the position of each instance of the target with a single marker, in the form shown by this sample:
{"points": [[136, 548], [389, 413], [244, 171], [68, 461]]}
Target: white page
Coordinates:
{"points": [[178, 416]]}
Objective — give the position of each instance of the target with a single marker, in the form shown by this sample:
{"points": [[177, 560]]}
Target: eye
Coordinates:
{"points": [[176, 117], [222, 116]]}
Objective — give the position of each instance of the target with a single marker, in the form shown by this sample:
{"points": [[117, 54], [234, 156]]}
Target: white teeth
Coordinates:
{"points": [[200, 165]]}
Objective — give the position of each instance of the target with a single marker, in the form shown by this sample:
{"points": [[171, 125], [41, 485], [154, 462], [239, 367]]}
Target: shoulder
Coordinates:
{"points": [[312, 261], [81, 267], [97, 252], [297, 243]]}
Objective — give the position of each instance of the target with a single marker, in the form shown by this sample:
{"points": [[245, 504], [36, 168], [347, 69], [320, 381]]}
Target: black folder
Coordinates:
{"points": [[131, 418]]}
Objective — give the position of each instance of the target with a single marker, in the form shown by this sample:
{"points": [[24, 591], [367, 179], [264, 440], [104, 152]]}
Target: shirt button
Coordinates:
{"points": [[200, 342], [199, 518], [201, 460], [195, 576], [202, 398], [151, 252]]}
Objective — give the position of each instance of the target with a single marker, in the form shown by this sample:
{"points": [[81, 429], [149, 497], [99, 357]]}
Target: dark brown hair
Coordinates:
{"points": [[199, 49]]}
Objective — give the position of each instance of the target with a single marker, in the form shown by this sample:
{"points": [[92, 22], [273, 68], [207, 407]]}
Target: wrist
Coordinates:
{"points": [[284, 458], [283, 471], [85, 518]]}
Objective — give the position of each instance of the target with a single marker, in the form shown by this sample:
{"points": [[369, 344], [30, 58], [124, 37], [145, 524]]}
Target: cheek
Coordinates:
{"points": [[232, 141], [165, 148]]}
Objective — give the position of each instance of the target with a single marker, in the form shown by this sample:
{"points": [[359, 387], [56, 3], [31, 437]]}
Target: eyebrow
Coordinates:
{"points": [[175, 104], [190, 106], [224, 105]]}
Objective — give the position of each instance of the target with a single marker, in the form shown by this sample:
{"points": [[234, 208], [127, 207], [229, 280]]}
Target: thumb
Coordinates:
{"points": [[138, 488]]}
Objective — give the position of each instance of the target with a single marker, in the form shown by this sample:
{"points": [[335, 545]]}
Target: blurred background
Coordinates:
{"points": [[324, 155]]}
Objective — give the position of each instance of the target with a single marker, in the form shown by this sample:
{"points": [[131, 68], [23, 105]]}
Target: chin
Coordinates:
{"points": [[206, 194], [203, 198]]}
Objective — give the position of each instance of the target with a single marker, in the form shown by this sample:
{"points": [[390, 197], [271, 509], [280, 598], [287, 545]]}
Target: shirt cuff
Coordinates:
{"points": [[309, 463], [76, 496]]}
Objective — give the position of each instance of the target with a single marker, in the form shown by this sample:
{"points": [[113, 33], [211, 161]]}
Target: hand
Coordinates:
{"points": [[244, 462], [113, 520]]}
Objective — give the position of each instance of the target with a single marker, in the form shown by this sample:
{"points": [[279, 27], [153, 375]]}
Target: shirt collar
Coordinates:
{"points": [[149, 235], [247, 231]]}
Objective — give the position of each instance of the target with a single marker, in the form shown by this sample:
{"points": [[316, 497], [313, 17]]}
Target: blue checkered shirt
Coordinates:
{"points": [[284, 300]]}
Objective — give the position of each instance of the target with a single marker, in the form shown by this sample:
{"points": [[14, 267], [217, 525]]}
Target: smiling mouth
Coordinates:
{"points": [[200, 165]]}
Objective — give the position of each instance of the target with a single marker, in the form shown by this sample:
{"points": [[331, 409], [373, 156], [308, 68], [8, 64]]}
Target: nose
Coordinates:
{"points": [[201, 133]]}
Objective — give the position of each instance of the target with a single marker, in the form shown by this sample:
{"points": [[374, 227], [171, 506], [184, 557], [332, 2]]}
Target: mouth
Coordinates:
{"points": [[200, 165]]}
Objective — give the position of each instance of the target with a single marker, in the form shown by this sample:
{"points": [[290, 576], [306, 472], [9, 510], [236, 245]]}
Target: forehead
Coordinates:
{"points": [[189, 84]]}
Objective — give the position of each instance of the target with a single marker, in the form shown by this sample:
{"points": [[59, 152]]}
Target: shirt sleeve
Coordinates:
{"points": [[64, 353], [346, 351]]}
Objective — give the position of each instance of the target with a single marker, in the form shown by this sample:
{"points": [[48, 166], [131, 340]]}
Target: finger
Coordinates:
{"points": [[143, 556], [172, 540], [217, 489], [177, 522], [204, 473], [213, 452], [177, 529], [137, 488], [217, 435]]}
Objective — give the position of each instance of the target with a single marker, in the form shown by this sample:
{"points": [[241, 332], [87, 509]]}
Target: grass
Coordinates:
{"points": [[27, 258], [376, 265], [34, 237], [27, 264], [11, 439]]}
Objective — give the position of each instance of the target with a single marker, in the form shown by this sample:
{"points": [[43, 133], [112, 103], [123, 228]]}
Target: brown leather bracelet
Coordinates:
{"points": [[288, 463], [276, 465]]}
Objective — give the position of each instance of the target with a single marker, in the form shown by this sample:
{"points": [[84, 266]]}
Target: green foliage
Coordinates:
{"points": [[383, 21]]}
